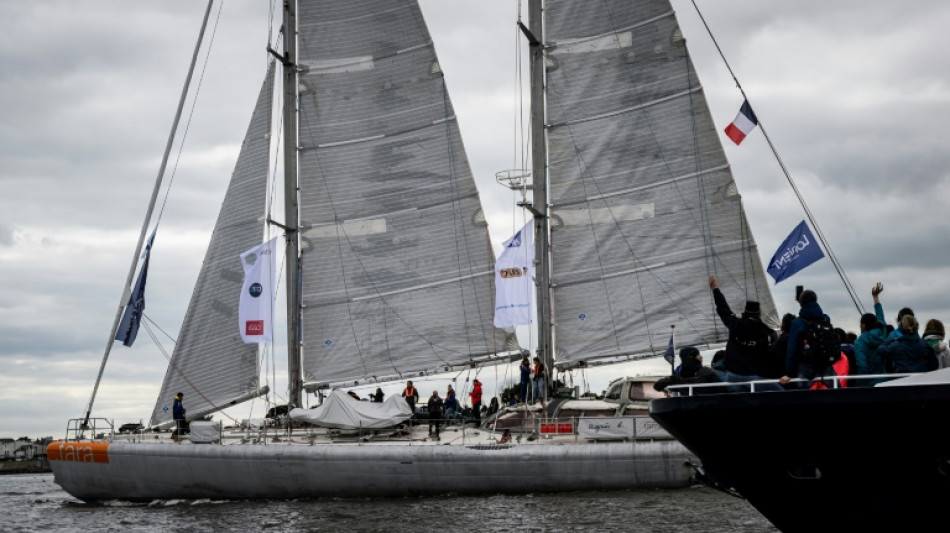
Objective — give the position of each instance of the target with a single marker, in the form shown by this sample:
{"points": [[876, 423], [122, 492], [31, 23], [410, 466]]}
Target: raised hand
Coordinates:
{"points": [[876, 290], [713, 284]]}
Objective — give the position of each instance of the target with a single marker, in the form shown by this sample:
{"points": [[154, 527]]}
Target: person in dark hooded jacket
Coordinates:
{"points": [[691, 371], [747, 350], [795, 365], [907, 353]]}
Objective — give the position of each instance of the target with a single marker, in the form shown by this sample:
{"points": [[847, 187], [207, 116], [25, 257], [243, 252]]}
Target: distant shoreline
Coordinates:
{"points": [[27, 466]]}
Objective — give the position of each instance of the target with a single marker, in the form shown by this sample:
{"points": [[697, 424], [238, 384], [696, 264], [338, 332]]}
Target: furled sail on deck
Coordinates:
{"points": [[396, 264], [645, 206], [211, 365]]}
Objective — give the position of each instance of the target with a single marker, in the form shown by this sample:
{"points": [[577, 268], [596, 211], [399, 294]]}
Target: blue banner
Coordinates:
{"points": [[670, 351], [797, 252], [129, 327]]}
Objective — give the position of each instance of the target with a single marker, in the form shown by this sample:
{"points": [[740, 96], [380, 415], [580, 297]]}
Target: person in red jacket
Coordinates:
{"points": [[476, 396]]}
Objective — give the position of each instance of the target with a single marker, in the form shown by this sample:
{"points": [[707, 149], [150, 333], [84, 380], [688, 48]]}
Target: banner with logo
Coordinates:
{"points": [[255, 313], [513, 284], [797, 252]]}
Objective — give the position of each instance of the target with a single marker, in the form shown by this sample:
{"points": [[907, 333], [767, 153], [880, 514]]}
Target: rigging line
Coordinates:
{"points": [[582, 168], [172, 365], [701, 186], [665, 287], [156, 326], [665, 161], [460, 224], [148, 215], [646, 116], [191, 113], [339, 228], [304, 125], [801, 199]]}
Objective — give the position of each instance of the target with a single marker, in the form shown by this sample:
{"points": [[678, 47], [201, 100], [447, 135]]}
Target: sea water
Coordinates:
{"points": [[37, 503]]}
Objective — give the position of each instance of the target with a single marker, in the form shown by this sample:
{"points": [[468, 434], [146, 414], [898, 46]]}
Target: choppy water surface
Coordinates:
{"points": [[36, 503]]}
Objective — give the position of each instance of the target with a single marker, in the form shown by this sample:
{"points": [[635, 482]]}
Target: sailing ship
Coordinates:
{"points": [[389, 269]]}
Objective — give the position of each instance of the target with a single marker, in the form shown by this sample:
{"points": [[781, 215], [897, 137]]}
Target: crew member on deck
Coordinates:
{"points": [[434, 408], [411, 395], [476, 397], [178, 414]]}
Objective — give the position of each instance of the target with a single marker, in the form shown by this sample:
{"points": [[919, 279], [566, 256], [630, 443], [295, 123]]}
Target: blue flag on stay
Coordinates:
{"points": [[129, 327], [670, 351], [797, 252]]}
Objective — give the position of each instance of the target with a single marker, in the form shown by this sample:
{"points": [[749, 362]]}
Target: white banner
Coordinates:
{"points": [[255, 314], [513, 279], [621, 427]]}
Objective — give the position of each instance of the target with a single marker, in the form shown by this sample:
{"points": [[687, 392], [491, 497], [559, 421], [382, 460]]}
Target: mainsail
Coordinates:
{"points": [[644, 203], [396, 262], [210, 362]]}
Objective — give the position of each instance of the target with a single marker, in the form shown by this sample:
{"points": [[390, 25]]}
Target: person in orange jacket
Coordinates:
{"points": [[476, 396]]}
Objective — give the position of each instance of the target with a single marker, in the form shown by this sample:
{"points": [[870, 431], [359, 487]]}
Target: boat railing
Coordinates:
{"points": [[772, 385], [89, 429]]}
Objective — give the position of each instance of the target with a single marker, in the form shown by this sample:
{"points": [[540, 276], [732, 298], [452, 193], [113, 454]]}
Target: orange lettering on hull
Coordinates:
{"points": [[80, 452]]}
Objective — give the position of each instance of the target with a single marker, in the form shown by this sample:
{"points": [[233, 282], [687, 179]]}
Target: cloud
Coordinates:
{"points": [[852, 94]]}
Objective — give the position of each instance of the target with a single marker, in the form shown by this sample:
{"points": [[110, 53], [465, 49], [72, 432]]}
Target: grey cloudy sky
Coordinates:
{"points": [[854, 94]]}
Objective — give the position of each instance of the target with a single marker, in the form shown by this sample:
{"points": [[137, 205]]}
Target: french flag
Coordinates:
{"points": [[743, 124]]}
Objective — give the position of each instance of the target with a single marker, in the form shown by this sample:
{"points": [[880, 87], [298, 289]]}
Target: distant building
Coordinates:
{"points": [[7, 447]]}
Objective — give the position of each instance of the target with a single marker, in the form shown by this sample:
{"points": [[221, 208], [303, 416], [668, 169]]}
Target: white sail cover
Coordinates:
{"points": [[396, 263], [210, 364], [644, 204], [341, 411]]}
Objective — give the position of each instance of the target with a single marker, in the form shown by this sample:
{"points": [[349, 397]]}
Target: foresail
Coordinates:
{"points": [[211, 365], [395, 255], [645, 206]]}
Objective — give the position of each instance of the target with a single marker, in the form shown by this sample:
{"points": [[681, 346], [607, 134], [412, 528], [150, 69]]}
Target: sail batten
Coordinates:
{"points": [[644, 206], [396, 261], [210, 363]]}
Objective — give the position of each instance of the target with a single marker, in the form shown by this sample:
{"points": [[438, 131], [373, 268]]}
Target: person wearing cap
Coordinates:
{"points": [[178, 414], [934, 335], [747, 349], [873, 334], [691, 371], [907, 353]]}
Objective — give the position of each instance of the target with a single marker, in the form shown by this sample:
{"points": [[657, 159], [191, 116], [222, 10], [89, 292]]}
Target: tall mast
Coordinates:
{"points": [[294, 378], [126, 292], [540, 182]]}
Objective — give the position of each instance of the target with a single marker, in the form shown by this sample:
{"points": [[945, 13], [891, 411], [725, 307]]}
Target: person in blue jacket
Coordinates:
{"points": [[178, 414], [907, 353], [873, 334], [525, 369], [794, 363]]}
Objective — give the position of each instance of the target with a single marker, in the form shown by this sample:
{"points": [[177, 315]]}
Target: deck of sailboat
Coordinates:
{"points": [[274, 462]]}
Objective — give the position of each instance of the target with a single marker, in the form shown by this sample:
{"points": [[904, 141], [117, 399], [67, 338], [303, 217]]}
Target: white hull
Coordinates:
{"points": [[147, 471]]}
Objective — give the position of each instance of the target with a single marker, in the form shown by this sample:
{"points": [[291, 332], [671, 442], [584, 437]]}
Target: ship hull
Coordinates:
{"points": [[145, 472], [854, 458]]}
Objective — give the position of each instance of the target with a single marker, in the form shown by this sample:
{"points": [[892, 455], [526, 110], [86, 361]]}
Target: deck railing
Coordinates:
{"points": [[773, 385]]}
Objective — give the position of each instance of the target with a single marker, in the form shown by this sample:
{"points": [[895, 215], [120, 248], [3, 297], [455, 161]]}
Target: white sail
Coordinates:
{"points": [[644, 204], [210, 364], [396, 263]]}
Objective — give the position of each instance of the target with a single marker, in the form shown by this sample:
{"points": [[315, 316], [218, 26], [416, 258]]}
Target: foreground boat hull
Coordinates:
{"points": [[143, 472], [857, 458]]}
